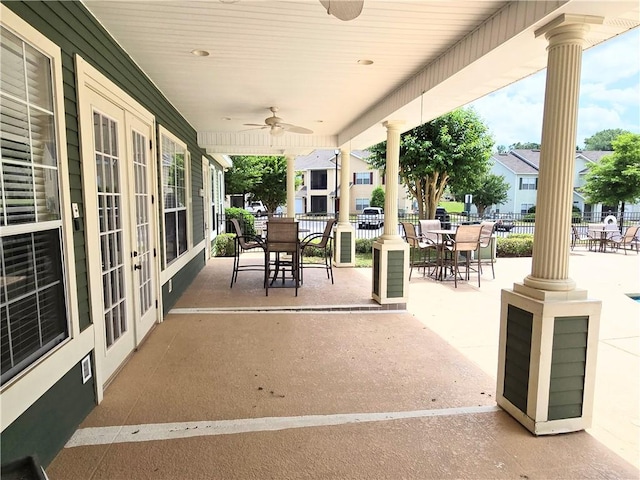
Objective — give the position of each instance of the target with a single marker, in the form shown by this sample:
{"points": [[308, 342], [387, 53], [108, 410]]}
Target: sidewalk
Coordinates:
{"points": [[356, 393]]}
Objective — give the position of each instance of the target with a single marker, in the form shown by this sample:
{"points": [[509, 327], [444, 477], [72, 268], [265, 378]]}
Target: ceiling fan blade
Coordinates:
{"points": [[255, 125], [343, 9], [295, 128]]}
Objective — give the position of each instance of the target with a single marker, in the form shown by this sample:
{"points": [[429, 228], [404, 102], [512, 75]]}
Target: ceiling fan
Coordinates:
{"points": [[277, 127], [343, 9]]}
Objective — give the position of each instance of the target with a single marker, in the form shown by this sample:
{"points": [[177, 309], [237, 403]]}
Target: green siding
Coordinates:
{"points": [[46, 425], [345, 247], [517, 356], [181, 281], [395, 274], [376, 271], [568, 363], [71, 26]]}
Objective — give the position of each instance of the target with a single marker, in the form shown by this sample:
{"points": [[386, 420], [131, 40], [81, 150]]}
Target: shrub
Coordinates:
{"points": [[311, 251], [516, 245], [529, 217], [364, 245], [246, 219], [224, 245]]}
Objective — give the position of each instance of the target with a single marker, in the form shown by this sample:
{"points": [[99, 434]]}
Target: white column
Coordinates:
{"points": [[550, 262], [392, 168], [291, 186], [345, 193], [546, 310], [344, 241]]}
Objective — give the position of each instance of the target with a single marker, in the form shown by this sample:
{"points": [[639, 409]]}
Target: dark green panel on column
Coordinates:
{"points": [[518, 356], [568, 363], [376, 271], [395, 274], [345, 247]]}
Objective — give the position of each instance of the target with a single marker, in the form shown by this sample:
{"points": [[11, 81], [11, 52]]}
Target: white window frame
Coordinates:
{"points": [[187, 206], [29, 384], [524, 207], [528, 183], [362, 203], [363, 178]]}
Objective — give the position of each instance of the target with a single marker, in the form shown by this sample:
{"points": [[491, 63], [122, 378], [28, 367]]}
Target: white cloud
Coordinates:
{"points": [[609, 96]]}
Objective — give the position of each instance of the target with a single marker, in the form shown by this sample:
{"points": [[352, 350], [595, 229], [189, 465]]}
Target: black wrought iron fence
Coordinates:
{"points": [[507, 223]]}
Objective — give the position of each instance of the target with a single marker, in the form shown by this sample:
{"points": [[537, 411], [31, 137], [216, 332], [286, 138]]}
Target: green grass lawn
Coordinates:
{"points": [[455, 207]]}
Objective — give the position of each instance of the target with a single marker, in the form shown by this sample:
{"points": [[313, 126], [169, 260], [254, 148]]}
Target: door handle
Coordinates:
{"points": [[137, 267]]}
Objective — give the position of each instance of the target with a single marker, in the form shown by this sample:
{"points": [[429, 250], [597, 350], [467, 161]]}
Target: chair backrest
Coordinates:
{"points": [[326, 234], [426, 225], [281, 219], [410, 234], [467, 237], [282, 236], [631, 232], [485, 233], [239, 235]]}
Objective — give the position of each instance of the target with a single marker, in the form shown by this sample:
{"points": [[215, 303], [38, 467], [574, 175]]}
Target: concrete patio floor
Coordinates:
{"points": [[236, 385]]}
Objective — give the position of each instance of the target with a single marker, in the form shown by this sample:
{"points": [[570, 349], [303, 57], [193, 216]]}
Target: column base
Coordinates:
{"points": [[547, 358], [344, 245], [390, 282]]}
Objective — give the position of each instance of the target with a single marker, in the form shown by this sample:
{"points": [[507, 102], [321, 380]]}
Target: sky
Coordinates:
{"points": [[609, 96]]}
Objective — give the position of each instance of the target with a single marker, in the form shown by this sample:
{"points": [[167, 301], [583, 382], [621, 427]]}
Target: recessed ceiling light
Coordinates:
{"points": [[365, 62], [226, 118], [319, 121], [228, 1], [200, 53]]}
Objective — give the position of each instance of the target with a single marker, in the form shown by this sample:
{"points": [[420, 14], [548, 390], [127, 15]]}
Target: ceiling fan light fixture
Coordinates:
{"points": [[276, 131]]}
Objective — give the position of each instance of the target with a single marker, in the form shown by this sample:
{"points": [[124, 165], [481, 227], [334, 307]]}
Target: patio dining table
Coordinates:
{"points": [[443, 235], [600, 234]]}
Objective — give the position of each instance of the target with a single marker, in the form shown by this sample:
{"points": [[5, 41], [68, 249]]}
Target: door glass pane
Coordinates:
{"points": [[111, 232], [143, 248]]}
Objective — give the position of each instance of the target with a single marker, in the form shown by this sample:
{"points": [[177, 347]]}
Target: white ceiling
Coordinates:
{"points": [[430, 56]]}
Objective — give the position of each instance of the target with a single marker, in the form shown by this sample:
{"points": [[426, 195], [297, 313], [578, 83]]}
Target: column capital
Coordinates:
{"points": [[568, 28], [393, 124]]}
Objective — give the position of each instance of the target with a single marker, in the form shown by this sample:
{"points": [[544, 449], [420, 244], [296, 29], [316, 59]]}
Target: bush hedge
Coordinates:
{"points": [[246, 219], [224, 245], [515, 245], [364, 245]]}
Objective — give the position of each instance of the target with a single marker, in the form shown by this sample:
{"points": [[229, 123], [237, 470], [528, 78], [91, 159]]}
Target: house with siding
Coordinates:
{"points": [[520, 170], [318, 190], [107, 212]]}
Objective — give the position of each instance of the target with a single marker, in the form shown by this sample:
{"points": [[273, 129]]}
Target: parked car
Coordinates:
{"points": [[371, 217], [444, 217], [503, 223], [257, 208]]}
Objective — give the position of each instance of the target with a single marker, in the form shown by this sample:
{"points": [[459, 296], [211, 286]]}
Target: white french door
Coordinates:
{"points": [[209, 234], [112, 304], [120, 220], [143, 225]]}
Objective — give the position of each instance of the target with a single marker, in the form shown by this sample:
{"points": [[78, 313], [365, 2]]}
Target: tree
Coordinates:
{"points": [[243, 175], [524, 146], [272, 187], [377, 197], [490, 190], [450, 150], [616, 178], [603, 140], [501, 149], [264, 178]]}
